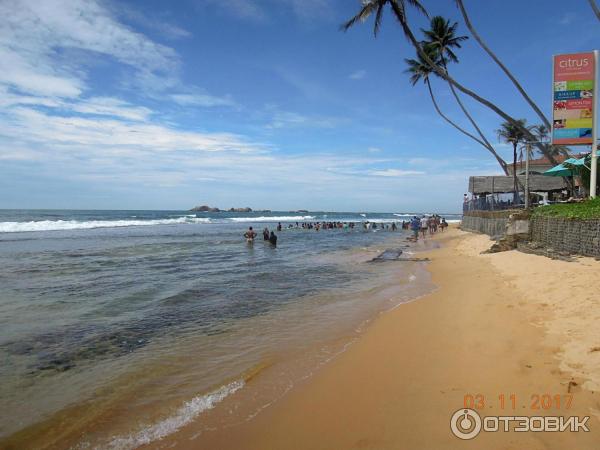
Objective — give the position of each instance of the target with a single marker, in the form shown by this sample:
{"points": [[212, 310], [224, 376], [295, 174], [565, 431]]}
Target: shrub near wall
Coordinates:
{"points": [[575, 236]]}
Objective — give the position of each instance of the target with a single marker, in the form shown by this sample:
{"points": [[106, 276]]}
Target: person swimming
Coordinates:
{"points": [[273, 239], [250, 235]]}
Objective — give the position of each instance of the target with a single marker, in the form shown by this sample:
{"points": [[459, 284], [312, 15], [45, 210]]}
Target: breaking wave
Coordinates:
{"points": [[271, 219], [184, 415], [56, 225]]}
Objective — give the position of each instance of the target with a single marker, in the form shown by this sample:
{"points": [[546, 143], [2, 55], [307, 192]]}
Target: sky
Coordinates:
{"points": [[262, 103]]}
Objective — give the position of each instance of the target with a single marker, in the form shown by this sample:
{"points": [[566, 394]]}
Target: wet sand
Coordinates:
{"points": [[498, 324]]}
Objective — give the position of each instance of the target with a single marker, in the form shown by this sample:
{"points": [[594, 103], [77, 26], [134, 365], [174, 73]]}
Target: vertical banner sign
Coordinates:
{"points": [[574, 90]]}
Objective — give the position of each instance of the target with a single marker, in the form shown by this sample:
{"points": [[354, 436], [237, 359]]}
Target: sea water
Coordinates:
{"points": [[120, 327]]}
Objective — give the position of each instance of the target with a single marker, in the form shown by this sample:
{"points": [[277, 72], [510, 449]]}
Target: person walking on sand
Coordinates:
{"points": [[424, 225], [415, 226], [443, 224]]}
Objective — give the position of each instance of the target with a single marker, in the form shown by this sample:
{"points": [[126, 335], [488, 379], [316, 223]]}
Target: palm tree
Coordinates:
{"points": [[376, 6], [483, 45], [442, 37], [420, 70], [514, 135], [399, 11]]}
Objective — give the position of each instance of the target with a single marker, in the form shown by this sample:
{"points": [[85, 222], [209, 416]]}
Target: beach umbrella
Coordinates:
{"points": [[575, 162], [558, 171]]}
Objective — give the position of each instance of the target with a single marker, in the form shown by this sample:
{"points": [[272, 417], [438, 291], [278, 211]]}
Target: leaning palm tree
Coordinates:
{"points": [[514, 135], [399, 10], [595, 8], [512, 78], [442, 37], [420, 70]]}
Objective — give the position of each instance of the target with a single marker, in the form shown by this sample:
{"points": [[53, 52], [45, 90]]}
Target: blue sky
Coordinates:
{"points": [[261, 103]]}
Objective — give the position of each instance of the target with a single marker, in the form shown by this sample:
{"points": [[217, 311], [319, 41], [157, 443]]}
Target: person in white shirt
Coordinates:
{"points": [[424, 225]]}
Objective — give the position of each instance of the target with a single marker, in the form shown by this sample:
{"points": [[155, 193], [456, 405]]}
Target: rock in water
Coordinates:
{"points": [[391, 254]]}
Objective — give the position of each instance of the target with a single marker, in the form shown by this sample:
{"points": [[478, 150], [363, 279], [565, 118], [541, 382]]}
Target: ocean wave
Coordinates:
{"points": [[57, 225], [184, 415], [271, 219]]}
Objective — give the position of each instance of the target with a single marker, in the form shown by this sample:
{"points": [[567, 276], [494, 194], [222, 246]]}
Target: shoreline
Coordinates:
{"points": [[112, 416], [410, 369]]}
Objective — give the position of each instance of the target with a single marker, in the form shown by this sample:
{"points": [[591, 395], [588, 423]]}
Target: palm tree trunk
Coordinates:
{"points": [[408, 32], [595, 8], [515, 185], [528, 99], [488, 147], [464, 110]]}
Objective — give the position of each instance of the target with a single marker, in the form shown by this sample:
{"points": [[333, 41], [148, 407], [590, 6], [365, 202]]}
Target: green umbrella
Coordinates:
{"points": [[558, 171], [575, 162]]}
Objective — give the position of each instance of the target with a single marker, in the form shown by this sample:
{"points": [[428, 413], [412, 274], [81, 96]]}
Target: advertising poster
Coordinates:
{"points": [[574, 90]]}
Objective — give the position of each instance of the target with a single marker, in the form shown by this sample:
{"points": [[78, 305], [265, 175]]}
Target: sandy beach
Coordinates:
{"points": [[498, 325]]}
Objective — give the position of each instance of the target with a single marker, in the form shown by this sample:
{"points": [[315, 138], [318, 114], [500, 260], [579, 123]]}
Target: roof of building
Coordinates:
{"points": [[504, 184]]}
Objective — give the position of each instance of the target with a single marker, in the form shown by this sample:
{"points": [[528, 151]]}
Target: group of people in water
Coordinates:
{"points": [[271, 237], [416, 224]]}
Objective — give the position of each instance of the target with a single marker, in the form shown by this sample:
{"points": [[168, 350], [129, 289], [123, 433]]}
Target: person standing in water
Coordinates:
{"points": [[273, 239], [250, 235], [266, 234], [279, 226]]}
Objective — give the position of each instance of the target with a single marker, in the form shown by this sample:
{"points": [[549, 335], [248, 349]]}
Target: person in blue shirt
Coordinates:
{"points": [[415, 226]]}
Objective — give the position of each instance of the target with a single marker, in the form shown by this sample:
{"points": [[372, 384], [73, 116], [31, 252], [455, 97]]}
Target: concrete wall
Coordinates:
{"points": [[580, 237], [492, 223]]}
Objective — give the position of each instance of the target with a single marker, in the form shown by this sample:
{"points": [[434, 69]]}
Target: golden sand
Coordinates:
{"points": [[498, 325]]}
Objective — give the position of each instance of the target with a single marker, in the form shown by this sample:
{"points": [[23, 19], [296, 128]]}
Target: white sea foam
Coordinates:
{"points": [[271, 219], [184, 415], [56, 225]]}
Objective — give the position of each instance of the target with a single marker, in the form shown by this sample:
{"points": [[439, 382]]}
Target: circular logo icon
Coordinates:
{"points": [[465, 424]]}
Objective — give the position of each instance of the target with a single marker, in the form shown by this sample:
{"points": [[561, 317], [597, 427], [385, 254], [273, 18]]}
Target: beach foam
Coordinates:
{"points": [[184, 415], [271, 219], [57, 225]]}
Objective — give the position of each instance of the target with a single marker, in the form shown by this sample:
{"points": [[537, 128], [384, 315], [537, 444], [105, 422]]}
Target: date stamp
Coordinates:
{"points": [[535, 402], [469, 421]]}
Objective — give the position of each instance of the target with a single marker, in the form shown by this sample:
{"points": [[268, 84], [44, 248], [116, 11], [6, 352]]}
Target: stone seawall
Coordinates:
{"points": [[492, 223], [574, 236]]}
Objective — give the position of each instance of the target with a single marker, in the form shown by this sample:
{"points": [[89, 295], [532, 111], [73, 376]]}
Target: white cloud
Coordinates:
{"points": [[260, 10], [108, 106], [567, 18], [358, 75], [32, 33], [286, 119], [395, 173], [374, 150], [191, 99], [105, 135]]}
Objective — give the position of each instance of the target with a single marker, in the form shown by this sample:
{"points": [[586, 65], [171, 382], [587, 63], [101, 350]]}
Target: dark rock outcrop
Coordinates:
{"points": [[240, 209], [204, 208]]}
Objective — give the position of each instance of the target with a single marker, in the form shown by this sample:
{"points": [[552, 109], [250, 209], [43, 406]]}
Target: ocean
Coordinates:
{"points": [[120, 327]]}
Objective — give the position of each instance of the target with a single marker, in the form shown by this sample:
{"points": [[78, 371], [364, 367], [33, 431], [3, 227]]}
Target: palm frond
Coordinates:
{"points": [[368, 8], [378, 17]]}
